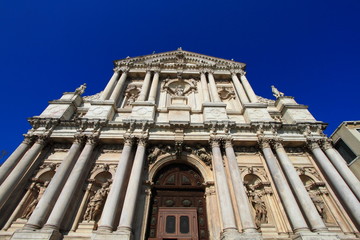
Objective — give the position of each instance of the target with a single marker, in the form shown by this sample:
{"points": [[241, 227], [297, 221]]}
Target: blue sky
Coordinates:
{"points": [[307, 49]]}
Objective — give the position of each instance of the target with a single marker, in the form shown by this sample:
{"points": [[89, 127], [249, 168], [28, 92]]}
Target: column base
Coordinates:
{"points": [[118, 235], [315, 236], [36, 235], [230, 234], [251, 236]]}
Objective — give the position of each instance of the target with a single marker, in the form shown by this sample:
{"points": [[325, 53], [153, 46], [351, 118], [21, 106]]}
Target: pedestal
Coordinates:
{"points": [[256, 112], [179, 111], [214, 112], [293, 112], [100, 110], [315, 236], [37, 235], [118, 235], [143, 111]]}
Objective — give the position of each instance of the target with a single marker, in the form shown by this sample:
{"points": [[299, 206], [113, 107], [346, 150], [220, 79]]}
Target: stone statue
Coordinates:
{"points": [[319, 204], [201, 152], [96, 203], [276, 92], [260, 209], [80, 90], [156, 151], [38, 192], [179, 91], [131, 98]]}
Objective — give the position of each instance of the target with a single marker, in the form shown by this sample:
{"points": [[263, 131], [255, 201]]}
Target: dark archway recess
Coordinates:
{"points": [[178, 186]]}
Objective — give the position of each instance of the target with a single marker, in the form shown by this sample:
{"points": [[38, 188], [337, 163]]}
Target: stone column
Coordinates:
{"points": [[82, 205], [145, 87], [248, 88], [292, 209], [223, 192], [242, 200], [132, 192], [154, 87], [118, 186], [47, 201], [213, 88], [341, 166], [10, 183], [72, 185], [204, 86], [239, 88], [299, 190], [14, 158], [341, 188], [119, 86], [109, 87]]}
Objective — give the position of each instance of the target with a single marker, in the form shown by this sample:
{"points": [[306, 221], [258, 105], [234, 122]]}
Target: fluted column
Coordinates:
{"points": [[248, 88], [14, 158], [341, 166], [119, 86], [204, 86], [340, 187], [118, 186], [72, 184], [242, 200], [213, 87], [10, 183], [223, 192], [132, 192], [154, 87], [299, 190], [292, 209], [47, 201], [109, 87], [239, 88], [145, 87]]}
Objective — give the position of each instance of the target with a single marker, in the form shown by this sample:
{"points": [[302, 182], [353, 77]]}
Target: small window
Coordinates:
{"points": [[344, 151], [170, 224], [184, 224]]}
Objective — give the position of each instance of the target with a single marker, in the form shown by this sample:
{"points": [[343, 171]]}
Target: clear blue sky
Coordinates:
{"points": [[308, 49]]}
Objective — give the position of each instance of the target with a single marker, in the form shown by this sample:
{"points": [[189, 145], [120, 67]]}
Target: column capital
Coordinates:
{"points": [[28, 139], [125, 69], [42, 139], [79, 138], [92, 139], [327, 144], [234, 71], [242, 72], [265, 142], [142, 140], [129, 140], [312, 143], [215, 141], [228, 142], [277, 143]]}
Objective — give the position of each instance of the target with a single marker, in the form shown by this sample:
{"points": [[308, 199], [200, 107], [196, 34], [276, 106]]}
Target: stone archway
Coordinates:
{"points": [[178, 207]]}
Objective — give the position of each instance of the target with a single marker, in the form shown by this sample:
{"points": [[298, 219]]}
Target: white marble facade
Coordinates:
{"points": [[87, 168]]}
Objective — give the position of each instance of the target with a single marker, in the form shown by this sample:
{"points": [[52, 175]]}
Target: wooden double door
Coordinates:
{"points": [[178, 207]]}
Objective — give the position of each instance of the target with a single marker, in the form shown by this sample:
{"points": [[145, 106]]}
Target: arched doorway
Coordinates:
{"points": [[178, 207]]}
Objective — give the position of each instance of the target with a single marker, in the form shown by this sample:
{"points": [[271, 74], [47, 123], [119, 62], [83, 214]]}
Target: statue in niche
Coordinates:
{"points": [[319, 204], [179, 91], [39, 190], [132, 93], [96, 203], [276, 92], [260, 209]]}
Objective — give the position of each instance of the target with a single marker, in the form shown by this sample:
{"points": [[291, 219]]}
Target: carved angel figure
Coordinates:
{"points": [[38, 192], [276, 92], [96, 203], [201, 152], [156, 151]]}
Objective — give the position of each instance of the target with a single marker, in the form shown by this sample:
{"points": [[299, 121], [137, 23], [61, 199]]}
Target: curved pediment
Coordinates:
{"points": [[179, 59]]}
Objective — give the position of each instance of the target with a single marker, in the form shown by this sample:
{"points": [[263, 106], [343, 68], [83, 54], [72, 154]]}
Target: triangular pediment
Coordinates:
{"points": [[180, 59]]}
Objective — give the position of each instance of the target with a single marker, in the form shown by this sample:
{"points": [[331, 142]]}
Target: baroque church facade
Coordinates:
{"points": [[177, 146]]}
